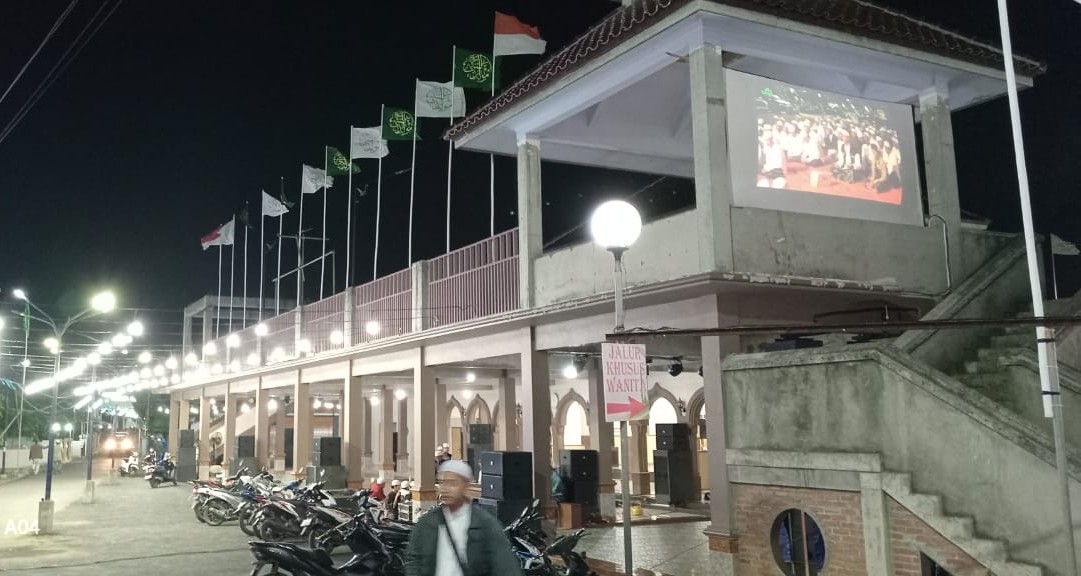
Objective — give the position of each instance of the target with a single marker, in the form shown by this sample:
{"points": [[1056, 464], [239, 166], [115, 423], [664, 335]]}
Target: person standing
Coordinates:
{"points": [[35, 457], [458, 539]]}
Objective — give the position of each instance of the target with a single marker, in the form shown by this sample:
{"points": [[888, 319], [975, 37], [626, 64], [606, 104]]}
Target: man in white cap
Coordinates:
{"points": [[458, 540]]}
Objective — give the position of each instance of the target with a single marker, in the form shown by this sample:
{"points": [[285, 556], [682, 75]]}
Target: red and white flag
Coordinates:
{"points": [[512, 36], [221, 236]]}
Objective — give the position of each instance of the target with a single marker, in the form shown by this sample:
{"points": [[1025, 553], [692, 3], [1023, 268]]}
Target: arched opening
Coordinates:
{"points": [[575, 428], [660, 412], [455, 432]]}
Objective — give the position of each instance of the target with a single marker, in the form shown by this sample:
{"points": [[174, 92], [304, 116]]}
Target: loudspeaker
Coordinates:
{"points": [[327, 451], [288, 448], [473, 454], [670, 430], [506, 511], [187, 473], [673, 477], [510, 464], [187, 439], [674, 443], [185, 457], [480, 434], [506, 487], [245, 447], [584, 492], [579, 465]]}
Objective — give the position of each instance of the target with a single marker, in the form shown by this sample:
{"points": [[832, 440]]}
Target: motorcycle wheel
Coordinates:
{"points": [[271, 531], [324, 537], [199, 513], [244, 521], [154, 482], [215, 513]]}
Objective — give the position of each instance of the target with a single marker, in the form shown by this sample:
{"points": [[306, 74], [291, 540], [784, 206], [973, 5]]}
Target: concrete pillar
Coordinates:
{"points": [[537, 416], [508, 402], [175, 415], [724, 541], [602, 439], [262, 425], [424, 406], [281, 422], [712, 177], [403, 436], [186, 345], [368, 428], [302, 424], [640, 476], [423, 316], [354, 428], [204, 434], [876, 530], [228, 437], [442, 415], [349, 310], [208, 327], [940, 169], [386, 453], [530, 203]]}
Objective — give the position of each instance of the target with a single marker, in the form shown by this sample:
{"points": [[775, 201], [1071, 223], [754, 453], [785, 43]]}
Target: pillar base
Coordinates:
{"points": [[404, 469], [45, 516], [88, 492], [606, 501], [724, 552]]}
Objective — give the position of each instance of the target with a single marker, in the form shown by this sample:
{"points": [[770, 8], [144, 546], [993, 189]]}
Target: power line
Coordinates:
{"points": [[56, 26]]}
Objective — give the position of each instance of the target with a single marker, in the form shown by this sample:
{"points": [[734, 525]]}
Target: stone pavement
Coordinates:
{"points": [[132, 529]]}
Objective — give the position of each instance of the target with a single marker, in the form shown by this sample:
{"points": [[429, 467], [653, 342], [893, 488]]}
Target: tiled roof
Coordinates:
{"points": [[856, 17]]}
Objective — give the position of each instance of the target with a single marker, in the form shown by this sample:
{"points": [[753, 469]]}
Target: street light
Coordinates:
{"points": [[145, 357], [615, 226], [372, 328], [103, 302], [261, 330], [171, 363], [136, 328]]}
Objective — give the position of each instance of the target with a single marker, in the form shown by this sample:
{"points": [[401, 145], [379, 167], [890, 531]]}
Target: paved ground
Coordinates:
{"points": [[134, 530]]}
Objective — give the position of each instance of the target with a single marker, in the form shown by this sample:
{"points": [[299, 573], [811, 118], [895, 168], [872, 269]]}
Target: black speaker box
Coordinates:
{"points": [[506, 511], [584, 492], [289, 448], [512, 464], [670, 430], [480, 434], [327, 444], [185, 457], [186, 439], [579, 465], [673, 480], [674, 443], [473, 454], [506, 487], [245, 447]]}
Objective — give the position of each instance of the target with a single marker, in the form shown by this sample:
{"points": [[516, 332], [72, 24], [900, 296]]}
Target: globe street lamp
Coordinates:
{"points": [[101, 303], [615, 226]]}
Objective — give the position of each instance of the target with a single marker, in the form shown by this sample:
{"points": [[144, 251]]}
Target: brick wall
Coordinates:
{"points": [[909, 536], [837, 514]]}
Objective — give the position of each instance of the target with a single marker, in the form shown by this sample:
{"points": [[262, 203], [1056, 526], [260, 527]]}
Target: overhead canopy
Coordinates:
{"points": [[619, 95]]}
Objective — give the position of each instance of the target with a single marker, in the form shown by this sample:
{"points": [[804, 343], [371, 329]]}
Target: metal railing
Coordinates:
{"points": [[476, 281], [387, 301]]}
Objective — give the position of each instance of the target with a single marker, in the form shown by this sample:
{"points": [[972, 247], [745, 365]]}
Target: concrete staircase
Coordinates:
{"points": [[958, 530]]}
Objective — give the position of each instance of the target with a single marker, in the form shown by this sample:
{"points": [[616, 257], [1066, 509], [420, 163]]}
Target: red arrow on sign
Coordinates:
{"points": [[633, 407]]}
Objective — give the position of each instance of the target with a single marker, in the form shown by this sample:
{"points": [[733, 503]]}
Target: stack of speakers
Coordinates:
{"points": [[480, 441], [244, 455], [506, 484], [580, 472], [187, 467], [673, 471], [327, 462]]}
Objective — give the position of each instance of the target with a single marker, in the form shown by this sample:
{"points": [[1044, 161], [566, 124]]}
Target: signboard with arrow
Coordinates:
{"points": [[626, 395]]}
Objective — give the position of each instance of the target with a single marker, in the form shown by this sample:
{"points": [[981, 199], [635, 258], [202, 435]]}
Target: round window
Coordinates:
{"points": [[798, 545]]}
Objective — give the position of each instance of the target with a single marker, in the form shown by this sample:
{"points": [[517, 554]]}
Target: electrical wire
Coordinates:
{"points": [[56, 25], [58, 68]]}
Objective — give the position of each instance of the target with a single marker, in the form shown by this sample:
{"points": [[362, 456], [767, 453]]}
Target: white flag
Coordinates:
{"points": [[439, 100], [273, 207], [313, 180], [1060, 247], [367, 143]]}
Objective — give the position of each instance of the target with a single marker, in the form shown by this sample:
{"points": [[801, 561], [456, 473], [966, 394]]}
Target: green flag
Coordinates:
{"points": [[474, 70], [338, 164], [398, 124]]}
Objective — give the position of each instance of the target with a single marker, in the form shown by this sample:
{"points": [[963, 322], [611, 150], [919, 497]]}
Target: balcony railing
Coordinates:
{"points": [[473, 282]]}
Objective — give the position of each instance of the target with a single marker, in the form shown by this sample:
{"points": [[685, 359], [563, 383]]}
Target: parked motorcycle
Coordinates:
{"points": [[165, 471], [130, 465]]}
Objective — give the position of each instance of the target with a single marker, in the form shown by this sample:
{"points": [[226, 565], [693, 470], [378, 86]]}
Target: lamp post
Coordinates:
{"points": [[615, 226], [101, 303]]}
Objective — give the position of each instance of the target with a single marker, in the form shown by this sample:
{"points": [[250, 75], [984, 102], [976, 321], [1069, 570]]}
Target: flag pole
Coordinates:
{"points": [[348, 307], [491, 163], [323, 253], [450, 142], [1045, 337], [378, 194], [298, 321], [217, 304], [262, 256], [278, 282], [413, 172], [232, 274], [244, 294]]}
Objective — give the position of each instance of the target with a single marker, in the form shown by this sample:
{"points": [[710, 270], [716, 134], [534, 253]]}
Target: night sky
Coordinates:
{"points": [[175, 114]]}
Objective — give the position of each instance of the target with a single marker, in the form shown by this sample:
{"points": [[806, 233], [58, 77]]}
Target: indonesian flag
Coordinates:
{"points": [[221, 236], [512, 36]]}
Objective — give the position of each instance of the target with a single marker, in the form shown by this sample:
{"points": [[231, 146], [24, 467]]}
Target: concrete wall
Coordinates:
{"points": [[666, 250], [986, 462], [1023, 394]]}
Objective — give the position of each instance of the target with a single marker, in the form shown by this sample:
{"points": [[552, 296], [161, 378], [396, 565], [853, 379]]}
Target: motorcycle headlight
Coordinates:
{"points": [[126, 444]]}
